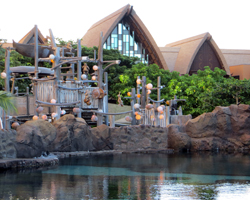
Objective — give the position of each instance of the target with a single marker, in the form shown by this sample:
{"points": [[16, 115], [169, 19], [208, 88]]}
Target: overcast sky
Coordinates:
{"points": [[228, 21]]}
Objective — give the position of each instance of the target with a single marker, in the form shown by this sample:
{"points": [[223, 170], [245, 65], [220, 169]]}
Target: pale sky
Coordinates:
{"points": [[228, 21]]}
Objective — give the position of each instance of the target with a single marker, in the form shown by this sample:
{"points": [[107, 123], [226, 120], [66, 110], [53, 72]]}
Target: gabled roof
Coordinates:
{"points": [[29, 37], [106, 25], [188, 50]]}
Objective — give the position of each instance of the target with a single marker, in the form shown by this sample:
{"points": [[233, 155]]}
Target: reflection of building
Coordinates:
{"points": [[123, 30]]}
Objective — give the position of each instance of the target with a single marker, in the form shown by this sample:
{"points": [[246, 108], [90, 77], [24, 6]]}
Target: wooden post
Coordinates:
{"points": [[105, 99], [57, 74], [6, 123], [112, 121], [133, 100], [79, 73], [100, 77], [36, 52]]}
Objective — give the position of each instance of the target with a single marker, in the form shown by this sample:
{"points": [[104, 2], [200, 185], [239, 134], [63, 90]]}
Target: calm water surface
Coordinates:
{"points": [[135, 176]]}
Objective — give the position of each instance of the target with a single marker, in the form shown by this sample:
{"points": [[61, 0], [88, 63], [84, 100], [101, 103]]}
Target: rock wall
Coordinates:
{"points": [[7, 148], [226, 128]]}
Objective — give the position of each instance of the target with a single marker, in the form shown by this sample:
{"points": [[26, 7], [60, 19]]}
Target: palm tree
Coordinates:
{"points": [[7, 101]]}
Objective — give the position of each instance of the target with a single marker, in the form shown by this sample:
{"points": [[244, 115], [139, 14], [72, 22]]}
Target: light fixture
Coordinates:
{"points": [[35, 117], [138, 117], [53, 115], [159, 109], [44, 117], [76, 110], [93, 78], [84, 77], [63, 112], [3, 75], [138, 81], [149, 86], [128, 118], [136, 106], [95, 67], [129, 94], [117, 62], [51, 57], [161, 117], [149, 91], [15, 125], [138, 95], [39, 109], [52, 101], [94, 118]]}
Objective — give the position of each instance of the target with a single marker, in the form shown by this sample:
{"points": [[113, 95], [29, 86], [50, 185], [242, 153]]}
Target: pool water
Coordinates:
{"points": [[135, 176]]}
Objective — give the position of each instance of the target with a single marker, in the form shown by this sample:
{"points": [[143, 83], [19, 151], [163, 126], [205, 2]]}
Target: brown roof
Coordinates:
{"points": [[106, 25], [236, 56], [189, 48], [30, 35]]}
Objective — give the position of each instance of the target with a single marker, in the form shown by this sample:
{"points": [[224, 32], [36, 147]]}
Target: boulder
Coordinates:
{"points": [[33, 138], [72, 134], [226, 128], [101, 138], [7, 148]]}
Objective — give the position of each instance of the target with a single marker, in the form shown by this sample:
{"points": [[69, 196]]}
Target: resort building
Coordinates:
{"points": [[124, 30]]}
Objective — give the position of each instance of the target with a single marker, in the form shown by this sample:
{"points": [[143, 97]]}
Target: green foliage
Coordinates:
{"points": [[7, 101]]}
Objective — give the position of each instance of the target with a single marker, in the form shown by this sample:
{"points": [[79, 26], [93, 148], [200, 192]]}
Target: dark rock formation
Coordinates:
{"points": [[7, 148], [226, 128], [72, 134], [141, 137], [101, 138], [33, 138]]}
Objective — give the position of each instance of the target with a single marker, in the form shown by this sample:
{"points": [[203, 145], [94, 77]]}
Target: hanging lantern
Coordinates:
{"points": [[163, 107], [53, 115], [39, 109], [95, 67], [138, 117], [15, 125], [53, 101], [138, 95], [51, 57], [138, 81], [149, 106], [167, 103], [149, 86], [94, 118], [96, 93], [159, 109], [129, 94], [161, 117], [35, 117], [161, 112], [76, 110], [149, 91], [3, 75], [136, 113], [128, 118], [44, 117], [136, 106], [84, 77], [63, 112], [93, 78]]}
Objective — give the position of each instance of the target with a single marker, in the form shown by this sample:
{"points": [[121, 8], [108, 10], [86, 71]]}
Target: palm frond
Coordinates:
{"points": [[7, 101]]}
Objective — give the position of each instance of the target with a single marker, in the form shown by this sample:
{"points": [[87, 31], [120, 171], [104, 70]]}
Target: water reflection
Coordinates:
{"points": [[135, 176]]}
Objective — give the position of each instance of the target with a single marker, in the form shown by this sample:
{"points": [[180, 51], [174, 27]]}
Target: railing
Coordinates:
{"points": [[46, 90]]}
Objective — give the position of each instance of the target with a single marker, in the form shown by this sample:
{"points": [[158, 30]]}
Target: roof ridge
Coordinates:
{"points": [[190, 39]]}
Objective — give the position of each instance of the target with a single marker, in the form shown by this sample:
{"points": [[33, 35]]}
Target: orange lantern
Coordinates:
{"points": [[138, 96], [161, 117], [138, 117], [129, 94], [167, 103]]}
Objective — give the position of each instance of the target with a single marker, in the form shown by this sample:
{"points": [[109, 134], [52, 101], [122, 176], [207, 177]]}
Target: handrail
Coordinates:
{"points": [[66, 88], [160, 101], [57, 104], [102, 113]]}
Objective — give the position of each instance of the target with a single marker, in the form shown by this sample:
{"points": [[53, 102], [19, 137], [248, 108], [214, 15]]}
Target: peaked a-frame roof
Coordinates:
{"points": [[107, 25], [189, 49], [29, 37]]}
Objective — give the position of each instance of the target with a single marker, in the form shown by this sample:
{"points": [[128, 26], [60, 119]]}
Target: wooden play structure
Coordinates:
{"points": [[56, 93]]}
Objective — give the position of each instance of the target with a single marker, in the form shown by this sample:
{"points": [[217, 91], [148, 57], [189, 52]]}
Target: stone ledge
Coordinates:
{"points": [[31, 163]]}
